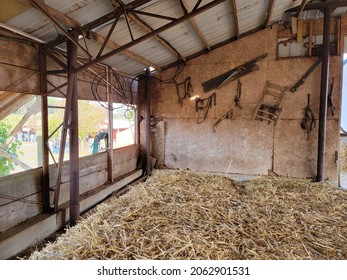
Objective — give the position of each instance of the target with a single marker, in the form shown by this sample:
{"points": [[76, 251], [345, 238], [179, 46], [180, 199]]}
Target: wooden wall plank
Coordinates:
{"points": [[87, 183], [125, 159], [19, 211], [93, 173], [21, 184]]}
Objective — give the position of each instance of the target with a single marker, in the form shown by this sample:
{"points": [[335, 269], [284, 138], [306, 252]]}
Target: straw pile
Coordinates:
{"points": [[187, 215]]}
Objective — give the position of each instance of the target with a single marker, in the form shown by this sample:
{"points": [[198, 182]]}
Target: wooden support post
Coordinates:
{"points": [[300, 30], [338, 38], [148, 123], [73, 126], [110, 125], [45, 146]]}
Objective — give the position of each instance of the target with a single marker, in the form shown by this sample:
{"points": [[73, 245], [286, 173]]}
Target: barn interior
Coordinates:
{"points": [[100, 96]]}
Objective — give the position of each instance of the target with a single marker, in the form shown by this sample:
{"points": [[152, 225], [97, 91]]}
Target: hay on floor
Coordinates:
{"points": [[189, 215]]}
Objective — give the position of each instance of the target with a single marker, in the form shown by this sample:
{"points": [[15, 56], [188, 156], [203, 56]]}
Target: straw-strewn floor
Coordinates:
{"points": [[188, 215]]}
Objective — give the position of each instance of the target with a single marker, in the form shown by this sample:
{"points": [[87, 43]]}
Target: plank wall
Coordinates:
{"points": [[26, 186]]}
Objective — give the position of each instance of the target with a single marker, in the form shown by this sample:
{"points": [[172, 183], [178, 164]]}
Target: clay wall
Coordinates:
{"points": [[243, 144]]}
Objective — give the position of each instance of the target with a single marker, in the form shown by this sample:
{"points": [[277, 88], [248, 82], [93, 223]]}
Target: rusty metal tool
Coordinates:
{"points": [[238, 95], [226, 116]]}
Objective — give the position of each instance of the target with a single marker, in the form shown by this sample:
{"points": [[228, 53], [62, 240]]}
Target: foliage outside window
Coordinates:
{"points": [[20, 139], [6, 164], [20, 132]]}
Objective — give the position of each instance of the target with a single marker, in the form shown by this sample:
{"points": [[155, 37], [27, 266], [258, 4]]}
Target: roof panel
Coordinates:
{"points": [[34, 23], [217, 24], [125, 64], [85, 11], [280, 7], [184, 39], [167, 8], [121, 33], [251, 14], [154, 52]]}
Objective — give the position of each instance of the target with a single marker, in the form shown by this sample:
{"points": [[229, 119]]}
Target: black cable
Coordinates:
{"points": [[14, 199], [119, 90]]}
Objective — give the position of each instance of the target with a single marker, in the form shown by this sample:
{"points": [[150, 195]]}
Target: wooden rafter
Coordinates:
{"points": [[35, 108], [145, 27], [153, 15], [197, 5], [113, 26], [236, 20], [148, 35], [112, 45], [56, 14], [302, 6], [195, 26], [306, 6], [44, 10], [14, 104], [269, 12], [75, 24]]}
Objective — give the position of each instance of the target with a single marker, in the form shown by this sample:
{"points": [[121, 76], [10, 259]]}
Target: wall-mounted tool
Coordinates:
{"points": [[233, 74], [238, 95], [305, 76], [308, 122], [268, 108], [330, 100], [187, 90], [226, 116], [202, 106]]}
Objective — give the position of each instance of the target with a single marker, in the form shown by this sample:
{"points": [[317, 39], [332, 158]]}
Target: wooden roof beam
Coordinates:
{"points": [[302, 6], [195, 26], [152, 34], [317, 6], [44, 10], [236, 20], [144, 26], [112, 45], [269, 12], [55, 13]]}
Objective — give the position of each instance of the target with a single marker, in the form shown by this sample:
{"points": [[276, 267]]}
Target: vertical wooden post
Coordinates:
{"points": [[110, 125], [300, 30], [73, 141], [338, 38], [44, 117], [148, 123]]}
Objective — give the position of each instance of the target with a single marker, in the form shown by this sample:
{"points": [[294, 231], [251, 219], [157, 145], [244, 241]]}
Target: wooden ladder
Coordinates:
{"points": [[268, 108]]}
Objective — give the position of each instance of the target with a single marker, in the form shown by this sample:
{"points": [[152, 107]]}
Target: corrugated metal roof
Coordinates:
{"points": [[214, 27], [217, 24], [280, 6], [251, 14]]}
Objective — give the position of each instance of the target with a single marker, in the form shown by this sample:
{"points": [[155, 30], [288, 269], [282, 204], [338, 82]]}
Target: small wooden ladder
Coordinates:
{"points": [[268, 108]]}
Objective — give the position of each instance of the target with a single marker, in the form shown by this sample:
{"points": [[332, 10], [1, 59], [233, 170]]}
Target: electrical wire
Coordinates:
{"points": [[14, 199], [119, 91]]}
